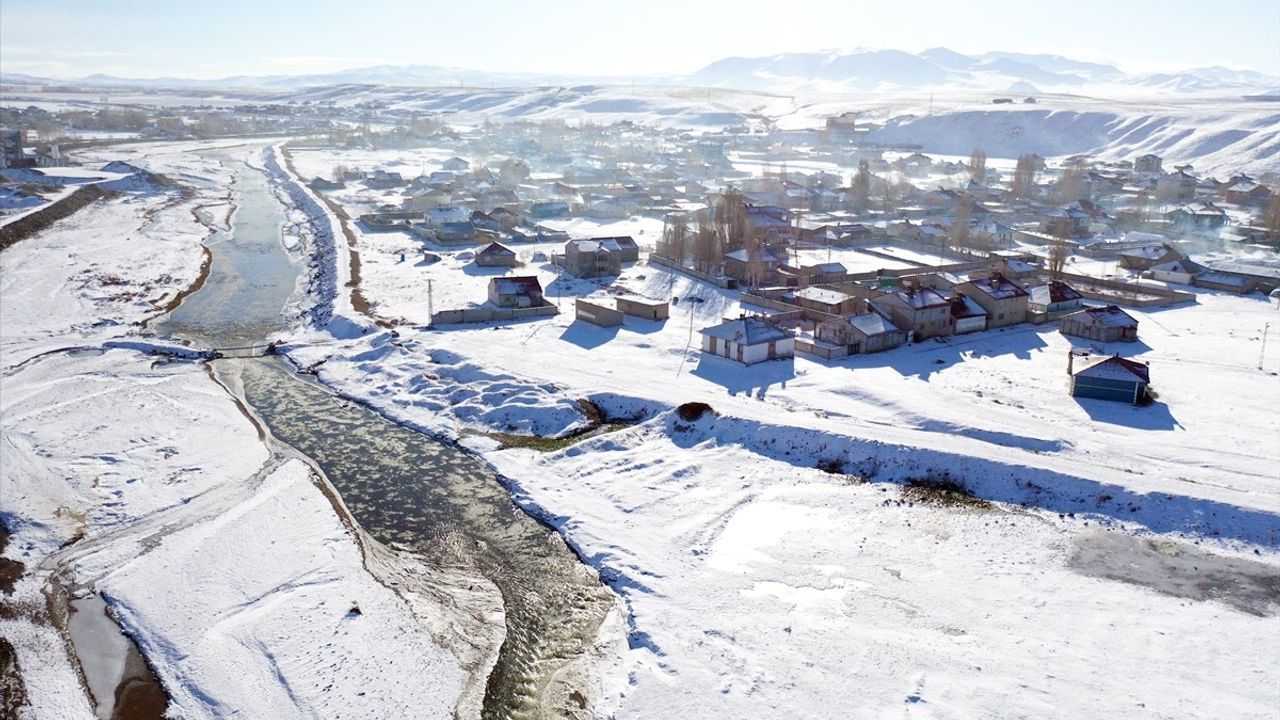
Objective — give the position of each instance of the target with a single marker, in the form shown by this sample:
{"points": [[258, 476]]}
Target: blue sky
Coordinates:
{"points": [[139, 38]]}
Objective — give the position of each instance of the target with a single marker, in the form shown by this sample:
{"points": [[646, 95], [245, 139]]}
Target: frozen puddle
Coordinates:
{"points": [[1179, 569], [122, 685]]}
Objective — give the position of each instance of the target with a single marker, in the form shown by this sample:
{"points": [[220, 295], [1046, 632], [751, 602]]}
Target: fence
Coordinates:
{"points": [[468, 316], [1126, 293], [723, 282]]}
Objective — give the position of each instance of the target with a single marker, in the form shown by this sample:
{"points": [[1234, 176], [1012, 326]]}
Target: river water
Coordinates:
{"points": [[403, 488]]}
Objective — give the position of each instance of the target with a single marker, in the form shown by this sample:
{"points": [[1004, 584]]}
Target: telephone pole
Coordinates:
{"points": [[431, 310]]}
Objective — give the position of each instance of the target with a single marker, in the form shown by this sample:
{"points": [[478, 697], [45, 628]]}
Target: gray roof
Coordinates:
{"points": [[747, 331], [1236, 267], [873, 324]]}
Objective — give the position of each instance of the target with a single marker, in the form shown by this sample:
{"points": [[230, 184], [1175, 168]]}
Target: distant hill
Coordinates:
{"points": [[858, 70]]}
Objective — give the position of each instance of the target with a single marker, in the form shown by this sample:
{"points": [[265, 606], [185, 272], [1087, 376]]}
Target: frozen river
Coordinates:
{"points": [[404, 488]]}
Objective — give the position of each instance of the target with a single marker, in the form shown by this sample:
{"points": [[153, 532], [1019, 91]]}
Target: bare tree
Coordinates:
{"points": [[860, 187], [1070, 185], [960, 223], [1024, 177], [675, 235], [707, 248], [1059, 249], [1271, 219], [339, 173], [978, 165]]}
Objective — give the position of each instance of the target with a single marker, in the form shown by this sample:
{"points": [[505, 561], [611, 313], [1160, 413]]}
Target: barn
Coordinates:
{"points": [[1109, 378]]}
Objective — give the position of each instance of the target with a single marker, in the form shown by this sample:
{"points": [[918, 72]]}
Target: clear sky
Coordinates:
{"points": [[195, 38]]}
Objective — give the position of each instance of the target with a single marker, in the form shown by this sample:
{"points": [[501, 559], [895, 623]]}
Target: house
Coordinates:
{"points": [[319, 183], [624, 245], [748, 340], [547, 210], [966, 315], [1101, 324], [516, 292], [762, 270], [1067, 221], [1143, 258], [455, 233], [382, 180], [1248, 193], [645, 308], [1264, 277], [1109, 378], [1182, 271], [922, 310], [456, 164], [1004, 301], [867, 333], [832, 302], [824, 273], [495, 255], [592, 258], [1148, 163], [1054, 300], [1197, 217]]}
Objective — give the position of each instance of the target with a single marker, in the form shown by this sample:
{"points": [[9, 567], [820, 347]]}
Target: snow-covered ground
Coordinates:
{"points": [[145, 482], [758, 586]]}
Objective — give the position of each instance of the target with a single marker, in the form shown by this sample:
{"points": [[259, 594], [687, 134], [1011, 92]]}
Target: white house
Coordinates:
{"points": [[748, 340]]}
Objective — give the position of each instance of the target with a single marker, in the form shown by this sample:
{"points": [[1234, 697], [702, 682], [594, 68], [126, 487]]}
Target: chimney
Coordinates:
{"points": [[1071, 360]]}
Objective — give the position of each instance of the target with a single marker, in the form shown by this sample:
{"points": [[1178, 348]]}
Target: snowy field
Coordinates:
{"points": [[773, 585], [144, 482]]}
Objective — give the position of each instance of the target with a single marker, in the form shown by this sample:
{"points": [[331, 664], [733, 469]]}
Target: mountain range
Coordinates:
{"points": [[858, 70]]}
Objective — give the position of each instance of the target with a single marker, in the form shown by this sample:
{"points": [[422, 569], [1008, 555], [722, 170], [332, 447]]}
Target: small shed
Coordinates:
{"points": [[866, 333], [495, 255], [1109, 378], [596, 314], [1101, 324], [645, 308]]}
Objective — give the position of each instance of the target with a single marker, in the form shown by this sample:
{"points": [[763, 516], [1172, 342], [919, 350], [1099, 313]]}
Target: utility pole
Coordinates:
{"points": [[431, 308], [1262, 353]]}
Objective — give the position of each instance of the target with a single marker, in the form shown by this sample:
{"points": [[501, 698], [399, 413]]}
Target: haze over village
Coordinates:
{"points": [[571, 360]]}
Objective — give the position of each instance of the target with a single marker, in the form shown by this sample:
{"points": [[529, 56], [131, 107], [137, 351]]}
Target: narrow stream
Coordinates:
{"points": [[402, 487]]}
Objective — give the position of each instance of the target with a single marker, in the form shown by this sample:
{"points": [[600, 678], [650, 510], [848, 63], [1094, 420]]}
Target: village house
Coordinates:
{"points": [[740, 266], [921, 310], [515, 292], [456, 164], [1004, 301], [548, 210], [1109, 378], [495, 255], [592, 258], [1143, 258], [1182, 271], [748, 340], [1101, 324], [1054, 300], [866, 333], [1197, 217], [1148, 164], [1248, 193], [832, 302]]}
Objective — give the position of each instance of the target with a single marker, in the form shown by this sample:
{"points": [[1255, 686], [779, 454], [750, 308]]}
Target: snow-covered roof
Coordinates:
{"points": [[1055, 292], [965, 307], [1108, 316], [872, 324], [1114, 368], [746, 331], [998, 288], [823, 295], [920, 298]]}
